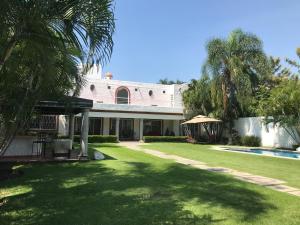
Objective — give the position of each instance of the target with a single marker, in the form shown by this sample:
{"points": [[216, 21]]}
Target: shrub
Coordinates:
{"points": [[250, 141], [148, 139], [295, 146], [98, 138]]}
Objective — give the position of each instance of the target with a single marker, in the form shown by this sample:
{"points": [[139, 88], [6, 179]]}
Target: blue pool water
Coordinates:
{"points": [[280, 153]]}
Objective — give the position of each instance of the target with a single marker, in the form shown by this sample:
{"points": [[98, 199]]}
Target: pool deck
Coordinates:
{"points": [[275, 184]]}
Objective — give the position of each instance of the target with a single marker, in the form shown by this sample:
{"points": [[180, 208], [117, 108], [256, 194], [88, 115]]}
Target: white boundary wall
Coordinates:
{"points": [[270, 136]]}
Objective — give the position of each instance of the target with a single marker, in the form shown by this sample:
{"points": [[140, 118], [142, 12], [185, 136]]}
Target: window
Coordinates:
{"points": [[112, 126], [43, 122], [95, 125], [152, 127], [122, 95]]}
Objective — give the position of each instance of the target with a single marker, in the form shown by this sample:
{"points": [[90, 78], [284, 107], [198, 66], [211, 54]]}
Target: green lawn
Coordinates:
{"points": [[283, 169], [132, 188]]}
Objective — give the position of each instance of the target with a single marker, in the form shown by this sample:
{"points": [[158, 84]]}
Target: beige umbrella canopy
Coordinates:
{"points": [[202, 119], [211, 125]]}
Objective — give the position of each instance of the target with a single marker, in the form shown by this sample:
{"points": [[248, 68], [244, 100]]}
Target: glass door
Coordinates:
{"points": [[126, 131]]}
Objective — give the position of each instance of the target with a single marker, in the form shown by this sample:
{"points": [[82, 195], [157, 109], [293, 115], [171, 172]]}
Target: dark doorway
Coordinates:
{"points": [[126, 130]]}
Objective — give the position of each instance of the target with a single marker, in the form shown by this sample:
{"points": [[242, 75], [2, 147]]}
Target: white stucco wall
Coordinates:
{"points": [[105, 90], [270, 136], [21, 146]]}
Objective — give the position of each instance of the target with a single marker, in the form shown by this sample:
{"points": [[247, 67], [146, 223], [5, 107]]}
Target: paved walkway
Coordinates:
{"points": [[274, 184]]}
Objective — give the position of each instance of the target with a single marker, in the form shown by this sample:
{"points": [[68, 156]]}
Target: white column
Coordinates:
{"points": [[117, 127], [141, 129], [105, 126], [176, 127], [71, 128], [84, 133]]}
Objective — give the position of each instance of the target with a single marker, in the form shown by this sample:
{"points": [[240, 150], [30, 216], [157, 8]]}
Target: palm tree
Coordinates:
{"points": [[86, 25], [41, 44], [236, 65]]}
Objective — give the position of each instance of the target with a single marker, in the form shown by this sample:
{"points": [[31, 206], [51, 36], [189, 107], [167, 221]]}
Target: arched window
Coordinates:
{"points": [[122, 95]]}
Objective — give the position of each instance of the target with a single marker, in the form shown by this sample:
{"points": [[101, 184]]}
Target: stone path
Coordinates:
{"points": [[274, 184]]}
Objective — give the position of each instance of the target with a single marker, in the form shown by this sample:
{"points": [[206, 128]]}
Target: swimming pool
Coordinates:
{"points": [[276, 153]]}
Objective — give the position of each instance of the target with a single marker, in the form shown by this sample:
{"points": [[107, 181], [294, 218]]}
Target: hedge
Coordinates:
{"points": [[251, 141], [98, 138], [148, 139]]}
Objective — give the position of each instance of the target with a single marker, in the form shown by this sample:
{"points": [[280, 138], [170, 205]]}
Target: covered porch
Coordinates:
{"points": [[130, 122], [41, 141], [134, 129]]}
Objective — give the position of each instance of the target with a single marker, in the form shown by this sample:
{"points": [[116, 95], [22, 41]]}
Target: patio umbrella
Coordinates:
{"points": [[211, 130], [202, 119]]}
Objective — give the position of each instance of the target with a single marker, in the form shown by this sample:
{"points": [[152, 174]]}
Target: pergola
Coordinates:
{"points": [[211, 125], [70, 106]]}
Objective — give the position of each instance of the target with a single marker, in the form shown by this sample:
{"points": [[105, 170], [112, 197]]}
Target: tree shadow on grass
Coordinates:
{"points": [[209, 187], [92, 193]]}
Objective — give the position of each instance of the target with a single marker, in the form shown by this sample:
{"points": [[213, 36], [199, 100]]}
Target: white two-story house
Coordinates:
{"points": [[130, 110]]}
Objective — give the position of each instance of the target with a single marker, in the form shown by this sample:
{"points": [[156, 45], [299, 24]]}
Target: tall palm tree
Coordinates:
{"points": [[235, 64]]}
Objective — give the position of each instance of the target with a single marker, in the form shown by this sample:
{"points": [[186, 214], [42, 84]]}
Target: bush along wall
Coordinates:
{"points": [[148, 139], [98, 138], [251, 141]]}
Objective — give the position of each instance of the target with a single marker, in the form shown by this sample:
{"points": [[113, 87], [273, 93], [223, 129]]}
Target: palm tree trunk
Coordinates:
{"points": [[228, 93]]}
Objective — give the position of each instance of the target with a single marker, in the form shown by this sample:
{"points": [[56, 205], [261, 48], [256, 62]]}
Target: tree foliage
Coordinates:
{"points": [[279, 98], [41, 45], [169, 82], [198, 98], [240, 80], [282, 107], [236, 66], [231, 76]]}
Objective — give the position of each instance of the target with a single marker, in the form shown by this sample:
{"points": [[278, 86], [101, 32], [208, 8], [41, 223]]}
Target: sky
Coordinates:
{"points": [[157, 39]]}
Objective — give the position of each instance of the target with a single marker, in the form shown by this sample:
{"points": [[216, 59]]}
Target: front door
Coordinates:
{"points": [[126, 131]]}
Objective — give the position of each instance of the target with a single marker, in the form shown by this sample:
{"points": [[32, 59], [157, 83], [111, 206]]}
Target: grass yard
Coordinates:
{"points": [[283, 169], [132, 188]]}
